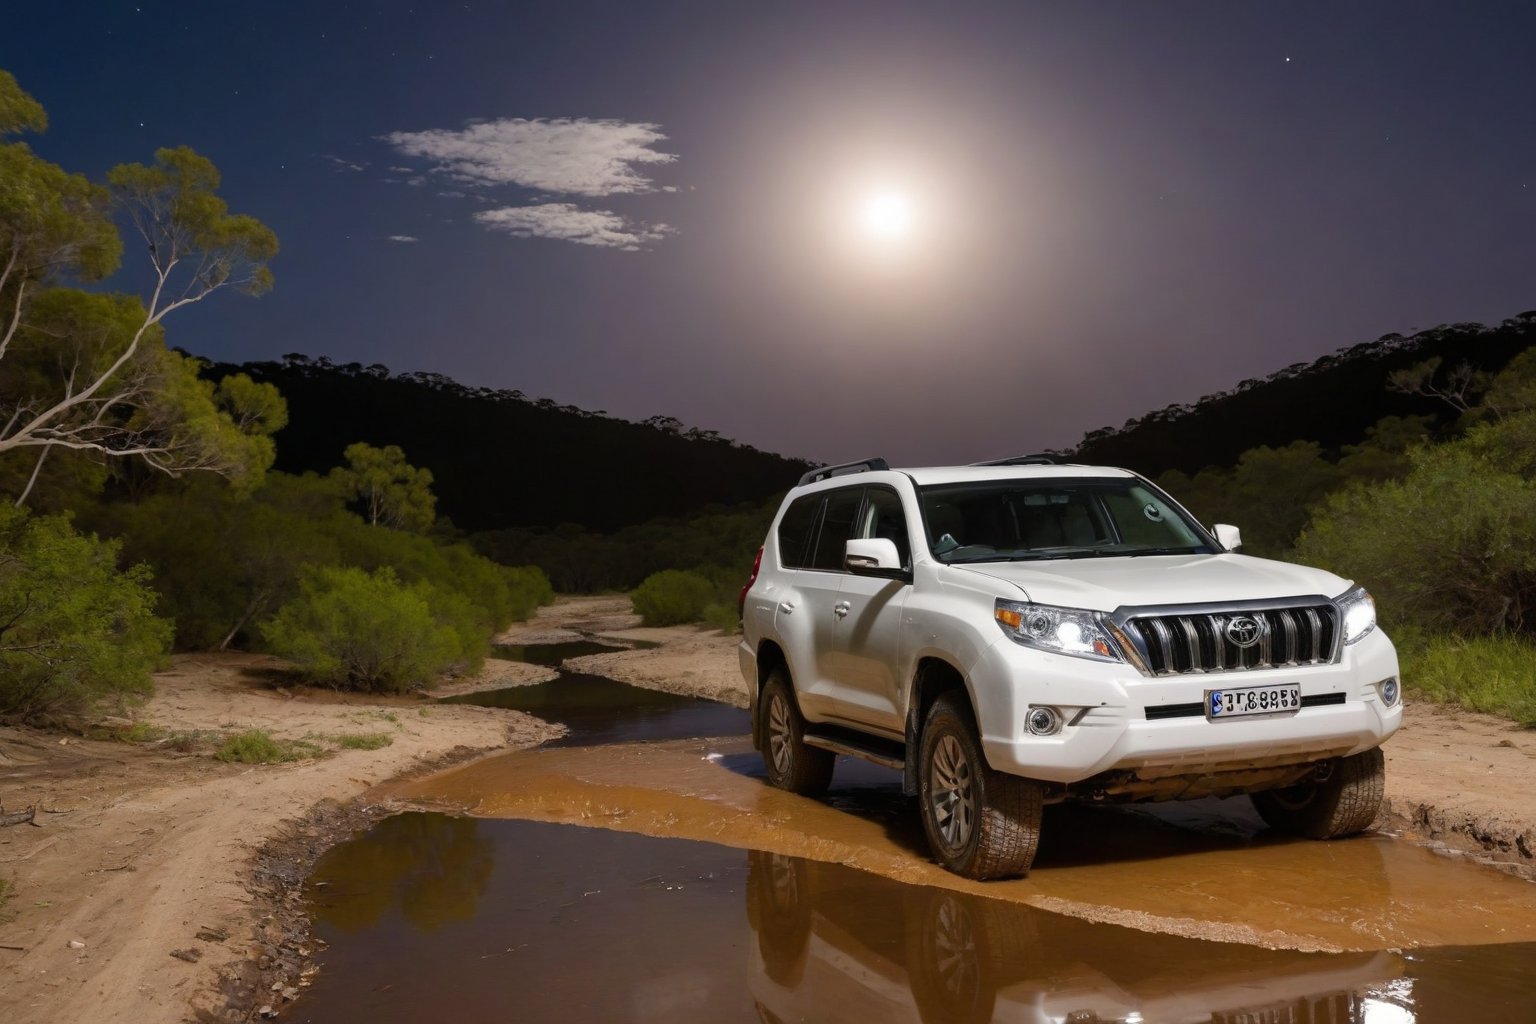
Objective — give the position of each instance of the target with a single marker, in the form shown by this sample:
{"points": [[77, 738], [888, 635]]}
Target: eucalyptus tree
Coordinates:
{"points": [[89, 371]]}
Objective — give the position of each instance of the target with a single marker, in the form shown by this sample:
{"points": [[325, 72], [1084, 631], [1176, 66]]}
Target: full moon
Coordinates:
{"points": [[886, 215]]}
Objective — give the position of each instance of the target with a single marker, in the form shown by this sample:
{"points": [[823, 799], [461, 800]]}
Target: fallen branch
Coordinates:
{"points": [[25, 817]]}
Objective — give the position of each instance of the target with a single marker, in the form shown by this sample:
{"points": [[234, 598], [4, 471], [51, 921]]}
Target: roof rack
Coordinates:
{"points": [[827, 472], [1021, 460]]}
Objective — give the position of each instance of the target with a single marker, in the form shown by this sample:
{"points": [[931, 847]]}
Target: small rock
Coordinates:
{"points": [[76, 944], [191, 956], [212, 934], [290, 993], [267, 1012]]}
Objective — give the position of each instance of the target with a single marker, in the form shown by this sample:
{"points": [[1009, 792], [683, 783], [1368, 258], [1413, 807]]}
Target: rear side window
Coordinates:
{"points": [[836, 527], [795, 528]]}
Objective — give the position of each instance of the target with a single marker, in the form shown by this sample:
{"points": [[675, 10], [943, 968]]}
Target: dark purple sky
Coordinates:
{"points": [[1115, 205]]}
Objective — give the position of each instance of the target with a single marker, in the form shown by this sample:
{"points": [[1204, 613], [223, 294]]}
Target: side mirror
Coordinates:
{"points": [[876, 556], [1230, 537]]}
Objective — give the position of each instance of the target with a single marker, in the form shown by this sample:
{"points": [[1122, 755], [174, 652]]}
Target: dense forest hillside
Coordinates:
{"points": [[501, 459], [1331, 401]]}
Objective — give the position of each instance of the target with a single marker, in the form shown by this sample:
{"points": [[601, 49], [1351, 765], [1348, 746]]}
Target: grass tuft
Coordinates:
{"points": [[255, 746], [1494, 674], [364, 740]]}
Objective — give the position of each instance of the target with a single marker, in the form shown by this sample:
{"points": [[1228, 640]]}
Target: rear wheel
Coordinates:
{"points": [[791, 764], [980, 823], [1342, 804]]}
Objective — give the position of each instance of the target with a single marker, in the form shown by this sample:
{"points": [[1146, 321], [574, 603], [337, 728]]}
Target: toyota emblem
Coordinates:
{"points": [[1244, 631]]}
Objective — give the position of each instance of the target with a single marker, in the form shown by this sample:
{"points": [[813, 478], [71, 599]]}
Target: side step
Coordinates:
{"points": [[887, 753]]}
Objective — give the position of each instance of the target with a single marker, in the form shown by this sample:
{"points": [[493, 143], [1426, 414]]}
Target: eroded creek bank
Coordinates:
{"points": [[642, 870]]}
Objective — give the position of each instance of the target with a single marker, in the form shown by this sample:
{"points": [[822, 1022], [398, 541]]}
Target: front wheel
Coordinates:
{"points": [[980, 823], [791, 764], [1342, 804]]}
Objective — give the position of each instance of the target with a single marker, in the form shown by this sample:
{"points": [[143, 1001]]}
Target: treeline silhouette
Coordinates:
{"points": [[501, 459], [1332, 401]]}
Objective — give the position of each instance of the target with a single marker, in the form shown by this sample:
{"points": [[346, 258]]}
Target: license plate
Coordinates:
{"points": [[1252, 700]]}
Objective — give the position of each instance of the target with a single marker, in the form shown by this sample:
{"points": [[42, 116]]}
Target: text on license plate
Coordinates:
{"points": [[1252, 700]]}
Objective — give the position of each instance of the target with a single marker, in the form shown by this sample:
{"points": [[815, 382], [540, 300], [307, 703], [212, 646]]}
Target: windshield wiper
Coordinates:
{"points": [[1185, 550]]}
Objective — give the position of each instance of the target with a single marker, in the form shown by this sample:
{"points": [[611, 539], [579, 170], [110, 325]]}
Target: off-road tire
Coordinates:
{"points": [[980, 823], [790, 763], [1344, 804]]}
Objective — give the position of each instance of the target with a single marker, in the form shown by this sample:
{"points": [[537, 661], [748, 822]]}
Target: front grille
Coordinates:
{"points": [[1176, 644]]}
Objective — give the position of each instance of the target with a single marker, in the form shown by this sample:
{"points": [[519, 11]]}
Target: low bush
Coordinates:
{"points": [[368, 631], [77, 630], [671, 597]]}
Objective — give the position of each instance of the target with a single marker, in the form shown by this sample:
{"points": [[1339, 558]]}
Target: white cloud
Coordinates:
{"points": [[573, 156], [404, 238], [569, 223], [343, 166]]}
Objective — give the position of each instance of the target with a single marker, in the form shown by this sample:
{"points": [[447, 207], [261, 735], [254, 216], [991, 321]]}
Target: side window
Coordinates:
{"points": [[795, 531], [883, 517], [836, 527]]}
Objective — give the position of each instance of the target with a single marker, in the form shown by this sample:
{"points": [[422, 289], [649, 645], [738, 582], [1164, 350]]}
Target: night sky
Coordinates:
{"points": [[1090, 209]]}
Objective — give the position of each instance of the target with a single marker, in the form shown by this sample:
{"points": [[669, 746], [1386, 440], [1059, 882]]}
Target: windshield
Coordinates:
{"points": [[1027, 520]]}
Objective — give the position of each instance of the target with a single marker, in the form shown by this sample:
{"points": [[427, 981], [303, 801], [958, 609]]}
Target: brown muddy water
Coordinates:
{"points": [[434, 916]]}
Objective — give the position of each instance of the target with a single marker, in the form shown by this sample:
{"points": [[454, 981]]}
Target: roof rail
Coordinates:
{"points": [[1021, 460], [827, 472]]}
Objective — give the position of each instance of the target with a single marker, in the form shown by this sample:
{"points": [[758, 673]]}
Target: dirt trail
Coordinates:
{"points": [[141, 851]]}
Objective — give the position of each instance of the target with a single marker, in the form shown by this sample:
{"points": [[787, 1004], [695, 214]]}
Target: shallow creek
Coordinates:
{"points": [[707, 896]]}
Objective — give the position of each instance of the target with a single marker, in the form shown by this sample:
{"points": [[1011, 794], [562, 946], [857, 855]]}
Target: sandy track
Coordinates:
{"points": [[149, 848]]}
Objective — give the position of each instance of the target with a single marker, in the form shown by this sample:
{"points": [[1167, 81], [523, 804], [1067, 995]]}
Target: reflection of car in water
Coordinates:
{"points": [[837, 944]]}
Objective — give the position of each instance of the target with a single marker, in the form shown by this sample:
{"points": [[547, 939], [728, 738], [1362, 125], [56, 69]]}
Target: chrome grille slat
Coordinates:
{"points": [[1288, 622], [1196, 657], [1317, 632], [1164, 641], [1179, 643]]}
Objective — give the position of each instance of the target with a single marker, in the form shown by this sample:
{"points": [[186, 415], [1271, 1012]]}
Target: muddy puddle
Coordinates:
{"points": [[431, 917], [601, 711], [707, 896]]}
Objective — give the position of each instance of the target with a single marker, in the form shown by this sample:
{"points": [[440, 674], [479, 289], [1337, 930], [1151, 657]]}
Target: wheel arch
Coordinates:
{"points": [[769, 657], [932, 678]]}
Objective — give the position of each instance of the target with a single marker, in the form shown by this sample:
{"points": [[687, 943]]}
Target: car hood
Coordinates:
{"points": [[1105, 584]]}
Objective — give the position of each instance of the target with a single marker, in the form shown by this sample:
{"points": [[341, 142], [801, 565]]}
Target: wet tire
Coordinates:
{"points": [[1343, 804], [790, 763], [980, 823]]}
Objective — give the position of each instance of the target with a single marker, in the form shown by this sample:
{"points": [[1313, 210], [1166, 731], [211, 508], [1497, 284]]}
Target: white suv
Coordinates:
{"points": [[1020, 633]]}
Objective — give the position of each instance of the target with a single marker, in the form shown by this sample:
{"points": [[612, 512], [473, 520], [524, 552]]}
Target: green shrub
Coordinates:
{"points": [[254, 746], [722, 615], [1493, 674], [368, 631], [77, 629], [1450, 548], [672, 596]]}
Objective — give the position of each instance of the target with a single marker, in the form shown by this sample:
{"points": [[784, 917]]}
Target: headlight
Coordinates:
{"points": [[1359, 614], [1058, 630]]}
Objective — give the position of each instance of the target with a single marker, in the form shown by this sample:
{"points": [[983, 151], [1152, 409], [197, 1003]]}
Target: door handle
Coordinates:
{"points": [[841, 609], [786, 606]]}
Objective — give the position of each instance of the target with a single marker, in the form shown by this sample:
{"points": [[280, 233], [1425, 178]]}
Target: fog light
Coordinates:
{"points": [[1043, 721], [1388, 689]]}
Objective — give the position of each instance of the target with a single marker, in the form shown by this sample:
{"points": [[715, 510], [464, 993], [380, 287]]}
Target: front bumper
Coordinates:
{"points": [[1110, 731]]}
